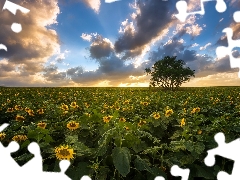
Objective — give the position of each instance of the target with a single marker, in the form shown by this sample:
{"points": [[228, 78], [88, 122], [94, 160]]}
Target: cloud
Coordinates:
{"points": [[86, 37], [61, 56], [204, 47], [94, 4], [146, 26], [195, 45], [31, 48], [100, 47]]}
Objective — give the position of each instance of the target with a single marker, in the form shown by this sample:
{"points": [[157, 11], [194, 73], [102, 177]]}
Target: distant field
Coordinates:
{"points": [[114, 133]]}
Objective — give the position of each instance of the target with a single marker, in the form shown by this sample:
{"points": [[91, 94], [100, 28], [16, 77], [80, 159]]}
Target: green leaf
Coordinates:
{"points": [[121, 160], [25, 144], [204, 172], [199, 147], [139, 147], [158, 172], [141, 164], [71, 139], [32, 134], [48, 139]]}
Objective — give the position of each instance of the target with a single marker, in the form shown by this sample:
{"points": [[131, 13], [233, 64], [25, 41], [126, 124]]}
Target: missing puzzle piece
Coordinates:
{"points": [[227, 150], [177, 171], [221, 51], [182, 9]]}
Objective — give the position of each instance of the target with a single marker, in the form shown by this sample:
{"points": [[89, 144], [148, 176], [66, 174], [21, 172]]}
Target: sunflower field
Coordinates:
{"points": [[121, 133]]}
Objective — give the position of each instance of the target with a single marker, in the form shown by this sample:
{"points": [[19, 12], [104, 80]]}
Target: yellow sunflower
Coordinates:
{"points": [[42, 125], [10, 110], [86, 105], [156, 115], [27, 109], [141, 123], [87, 114], [2, 136], [168, 112], [122, 119], [182, 122], [117, 107], [195, 110], [64, 107], [73, 105], [72, 125], [30, 112], [40, 111], [20, 118], [63, 152], [18, 108], [144, 103], [19, 138], [106, 119]]}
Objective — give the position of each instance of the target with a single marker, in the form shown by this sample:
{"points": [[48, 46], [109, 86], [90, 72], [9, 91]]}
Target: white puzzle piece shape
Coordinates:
{"points": [[177, 171], [227, 150], [222, 50], [181, 6]]}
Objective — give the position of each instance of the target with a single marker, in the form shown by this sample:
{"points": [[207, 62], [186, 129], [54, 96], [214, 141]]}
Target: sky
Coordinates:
{"points": [[91, 43]]}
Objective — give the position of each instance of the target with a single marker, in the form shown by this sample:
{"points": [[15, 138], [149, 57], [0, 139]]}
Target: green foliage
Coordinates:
{"points": [[132, 143], [169, 73], [121, 160]]}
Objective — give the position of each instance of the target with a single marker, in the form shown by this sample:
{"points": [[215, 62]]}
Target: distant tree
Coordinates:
{"points": [[169, 73]]}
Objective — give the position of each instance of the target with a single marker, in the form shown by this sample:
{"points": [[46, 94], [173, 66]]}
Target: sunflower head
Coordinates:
{"points": [[168, 112], [87, 114], [156, 115], [64, 107], [106, 119], [42, 125], [19, 138], [17, 107], [63, 152], [122, 119], [142, 122], [182, 122], [72, 125], [73, 105], [40, 111], [126, 128], [144, 103], [10, 110], [195, 110], [30, 112], [20, 118], [27, 109], [2, 136]]}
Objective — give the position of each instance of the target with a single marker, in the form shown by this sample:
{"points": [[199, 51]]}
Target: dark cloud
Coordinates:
{"points": [[51, 74], [153, 19], [171, 48], [35, 43], [100, 48]]}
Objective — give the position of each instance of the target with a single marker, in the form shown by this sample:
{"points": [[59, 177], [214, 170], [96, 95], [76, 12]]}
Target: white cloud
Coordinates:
{"points": [[194, 30], [86, 37], [94, 4], [127, 27], [204, 47], [195, 45]]}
